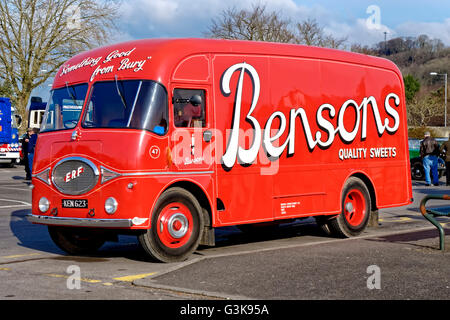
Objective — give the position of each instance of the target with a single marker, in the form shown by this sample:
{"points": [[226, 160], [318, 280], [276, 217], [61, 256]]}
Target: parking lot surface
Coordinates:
{"points": [[398, 260]]}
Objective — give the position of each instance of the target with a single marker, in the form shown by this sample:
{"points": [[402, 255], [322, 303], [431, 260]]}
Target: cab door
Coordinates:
{"points": [[192, 135]]}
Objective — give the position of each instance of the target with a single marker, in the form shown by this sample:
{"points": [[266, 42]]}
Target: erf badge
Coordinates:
{"points": [[155, 152]]}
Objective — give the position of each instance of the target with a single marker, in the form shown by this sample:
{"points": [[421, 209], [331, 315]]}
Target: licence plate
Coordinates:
{"points": [[75, 203]]}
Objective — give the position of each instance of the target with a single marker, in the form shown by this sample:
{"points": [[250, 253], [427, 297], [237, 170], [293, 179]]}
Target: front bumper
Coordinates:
{"points": [[9, 155], [81, 222]]}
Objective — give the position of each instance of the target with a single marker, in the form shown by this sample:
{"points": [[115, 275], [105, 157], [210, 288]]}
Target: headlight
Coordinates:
{"points": [[110, 205], [44, 204]]}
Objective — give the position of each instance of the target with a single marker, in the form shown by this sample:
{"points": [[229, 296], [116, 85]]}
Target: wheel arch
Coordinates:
{"points": [[198, 192]]}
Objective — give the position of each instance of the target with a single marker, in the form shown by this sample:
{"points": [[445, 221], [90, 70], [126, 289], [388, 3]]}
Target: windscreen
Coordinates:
{"points": [[135, 104], [64, 108], [15, 119]]}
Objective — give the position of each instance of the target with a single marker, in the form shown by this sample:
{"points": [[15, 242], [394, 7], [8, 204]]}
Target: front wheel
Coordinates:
{"points": [[76, 241], [176, 227], [355, 210]]}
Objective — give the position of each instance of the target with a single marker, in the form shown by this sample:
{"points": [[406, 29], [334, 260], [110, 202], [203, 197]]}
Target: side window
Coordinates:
{"points": [[189, 108]]}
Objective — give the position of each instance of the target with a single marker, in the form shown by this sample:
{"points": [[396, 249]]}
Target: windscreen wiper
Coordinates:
{"points": [[72, 95]]}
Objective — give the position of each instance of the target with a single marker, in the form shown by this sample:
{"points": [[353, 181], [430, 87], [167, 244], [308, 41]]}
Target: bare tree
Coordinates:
{"points": [[261, 25], [424, 109], [309, 32], [37, 36], [256, 24]]}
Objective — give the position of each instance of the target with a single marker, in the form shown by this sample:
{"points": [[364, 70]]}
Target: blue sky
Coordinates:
{"points": [[393, 11], [340, 18], [346, 18]]}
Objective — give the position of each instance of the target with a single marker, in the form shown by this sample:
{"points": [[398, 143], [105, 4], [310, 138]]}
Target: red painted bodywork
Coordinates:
{"points": [[307, 183]]}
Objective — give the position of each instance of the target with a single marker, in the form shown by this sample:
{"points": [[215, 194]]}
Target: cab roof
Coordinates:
{"points": [[156, 58]]}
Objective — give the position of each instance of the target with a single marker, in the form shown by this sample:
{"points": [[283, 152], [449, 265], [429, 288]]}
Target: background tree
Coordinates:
{"points": [[425, 109], [5, 89], [310, 33], [255, 24], [412, 86], [37, 36], [259, 24]]}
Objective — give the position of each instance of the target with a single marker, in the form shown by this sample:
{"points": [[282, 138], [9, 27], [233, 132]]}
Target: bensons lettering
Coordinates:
{"points": [[264, 135]]}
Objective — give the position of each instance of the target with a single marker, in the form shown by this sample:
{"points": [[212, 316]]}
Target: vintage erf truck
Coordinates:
{"points": [[170, 138]]}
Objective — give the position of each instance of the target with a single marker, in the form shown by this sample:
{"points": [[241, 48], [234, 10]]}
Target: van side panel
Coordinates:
{"points": [[299, 187], [327, 120]]}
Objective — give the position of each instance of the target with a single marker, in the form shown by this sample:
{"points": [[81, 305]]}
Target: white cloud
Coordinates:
{"points": [[359, 32], [438, 30], [169, 18], [191, 18]]}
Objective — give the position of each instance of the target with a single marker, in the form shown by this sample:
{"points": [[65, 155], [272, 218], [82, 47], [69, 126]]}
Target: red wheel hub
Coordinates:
{"points": [[175, 225], [354, 207]]}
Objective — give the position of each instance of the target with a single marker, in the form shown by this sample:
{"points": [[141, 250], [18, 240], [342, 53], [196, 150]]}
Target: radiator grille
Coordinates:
{"points": [[75, 176]]}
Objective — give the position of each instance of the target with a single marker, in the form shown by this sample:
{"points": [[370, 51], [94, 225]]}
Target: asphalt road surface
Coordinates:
{"points": [[398, 260]]}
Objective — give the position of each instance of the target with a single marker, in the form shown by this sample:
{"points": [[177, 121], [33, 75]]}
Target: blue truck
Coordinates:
{"points": [[36, 112], [9, 134]]}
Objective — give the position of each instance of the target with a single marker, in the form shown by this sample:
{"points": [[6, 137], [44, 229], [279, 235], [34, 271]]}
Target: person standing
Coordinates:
{"points": [[31, 148], [429, 152], [25, 141], [446, 148]]}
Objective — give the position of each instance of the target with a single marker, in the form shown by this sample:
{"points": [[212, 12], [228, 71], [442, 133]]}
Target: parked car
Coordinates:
{"points": [[417, 171]]}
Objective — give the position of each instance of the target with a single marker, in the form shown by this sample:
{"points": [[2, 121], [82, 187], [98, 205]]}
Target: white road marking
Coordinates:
{"points": [[21, 204], [19, 189]]}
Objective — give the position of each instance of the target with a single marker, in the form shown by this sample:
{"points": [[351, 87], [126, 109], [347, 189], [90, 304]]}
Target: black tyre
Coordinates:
{"points": [[355, 210], [176, 227], [76, 241], [417, 171]]}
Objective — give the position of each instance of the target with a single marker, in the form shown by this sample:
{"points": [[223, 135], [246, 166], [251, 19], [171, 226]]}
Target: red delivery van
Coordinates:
{"points": [[168, 139]]}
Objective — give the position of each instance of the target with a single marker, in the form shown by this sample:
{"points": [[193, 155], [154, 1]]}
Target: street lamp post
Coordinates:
{"points": [[445, 94]]}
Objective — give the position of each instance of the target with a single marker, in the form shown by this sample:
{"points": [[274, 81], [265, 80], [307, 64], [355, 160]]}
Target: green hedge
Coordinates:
{"points": [[418, 132]]}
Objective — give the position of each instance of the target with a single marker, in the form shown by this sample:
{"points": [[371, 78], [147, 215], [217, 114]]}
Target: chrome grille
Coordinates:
{"points": [[75, 176]]}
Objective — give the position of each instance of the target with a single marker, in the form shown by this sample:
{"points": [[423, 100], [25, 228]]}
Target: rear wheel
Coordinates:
{"points": [[76, 241], [355, 210], [176, 227]]}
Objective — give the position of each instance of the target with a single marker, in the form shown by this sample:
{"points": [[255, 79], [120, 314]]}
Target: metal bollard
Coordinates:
{"points": [[429, 214]]}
